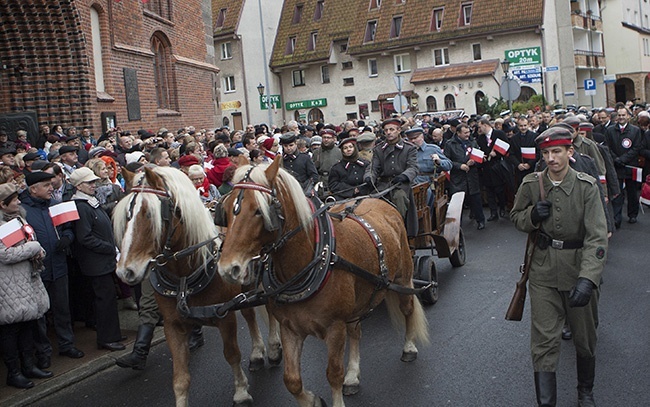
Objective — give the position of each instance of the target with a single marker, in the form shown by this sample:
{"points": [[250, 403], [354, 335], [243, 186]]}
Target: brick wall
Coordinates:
{"points": [[53, 41]]}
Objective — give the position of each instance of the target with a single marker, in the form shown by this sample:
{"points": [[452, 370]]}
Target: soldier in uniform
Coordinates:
{"points": [[431, 160], [328, 155], [566, 265], [299, 165], [395, 161]]}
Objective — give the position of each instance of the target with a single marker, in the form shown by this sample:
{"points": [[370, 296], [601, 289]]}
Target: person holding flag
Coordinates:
{"points": [[24, 298], [523, 154], [56, 240], [464, 171], [496, 171]]}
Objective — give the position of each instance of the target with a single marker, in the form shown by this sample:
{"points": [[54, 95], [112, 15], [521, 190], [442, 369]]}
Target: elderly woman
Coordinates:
{"points": [[346, 176], [23, 298], [108, 193], [94, 249], [220, 163], [208, 193]]}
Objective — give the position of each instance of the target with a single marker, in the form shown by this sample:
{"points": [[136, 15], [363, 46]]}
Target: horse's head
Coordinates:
{"points": [[162, 210], [264, 203]]}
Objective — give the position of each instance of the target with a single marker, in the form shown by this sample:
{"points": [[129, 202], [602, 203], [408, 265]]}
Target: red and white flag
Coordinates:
{"points": [[637, 174], [501, 146], [476, 155], [63, 212], [447, 175], [602, 179], [12, 232], [528, 153]]}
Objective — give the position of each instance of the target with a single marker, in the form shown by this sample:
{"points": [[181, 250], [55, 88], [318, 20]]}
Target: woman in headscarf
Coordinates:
{"points": [[346, 177]]}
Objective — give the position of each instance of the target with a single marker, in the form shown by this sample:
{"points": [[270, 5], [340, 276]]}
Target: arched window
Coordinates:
{"points": [[450, 102], [432, 104], [316, 115], [163, 72], [98, 61], [526, 93], [477, 101]]}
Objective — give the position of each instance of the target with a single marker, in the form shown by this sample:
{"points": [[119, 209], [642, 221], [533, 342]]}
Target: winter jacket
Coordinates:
{"points": [[22, 293], [94, 245], [38, 217]]}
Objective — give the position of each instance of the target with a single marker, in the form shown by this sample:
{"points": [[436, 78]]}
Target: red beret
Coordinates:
{"points": [[188, 160]]}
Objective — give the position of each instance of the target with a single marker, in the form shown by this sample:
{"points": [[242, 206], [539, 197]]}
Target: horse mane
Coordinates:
{"points": [[286, 185], [195, 218]]}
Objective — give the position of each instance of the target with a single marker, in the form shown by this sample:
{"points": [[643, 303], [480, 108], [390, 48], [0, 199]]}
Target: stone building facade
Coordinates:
{"points": [[103, 63]]}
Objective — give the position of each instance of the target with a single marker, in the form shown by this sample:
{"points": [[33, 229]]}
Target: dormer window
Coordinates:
{"points": [[371, 29], [220, 18], [436, 19], [291, 46], [375, 4], [297, 14], [320, 6], [465, 14], [396, 27]]}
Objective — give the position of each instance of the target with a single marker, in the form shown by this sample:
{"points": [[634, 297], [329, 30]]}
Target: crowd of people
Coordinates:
{"points": [[486, 158]]}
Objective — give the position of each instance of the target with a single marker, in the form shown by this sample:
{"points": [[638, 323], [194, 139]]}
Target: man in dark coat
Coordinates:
{"points": [[523, 155], [625, 141], [464, 172], [56, 242], [495, 172], [299, 165]]}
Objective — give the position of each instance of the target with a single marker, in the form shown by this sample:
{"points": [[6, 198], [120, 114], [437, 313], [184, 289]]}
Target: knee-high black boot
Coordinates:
{"points": [[546, 389], [586, 375], [138, 358], [30, 370]]}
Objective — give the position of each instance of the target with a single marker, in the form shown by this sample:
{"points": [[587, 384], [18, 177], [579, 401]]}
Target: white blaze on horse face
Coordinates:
{"points": [[130, 270]]}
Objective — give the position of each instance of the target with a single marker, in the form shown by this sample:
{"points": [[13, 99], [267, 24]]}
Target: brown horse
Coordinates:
{"points": [[154, 225], [267, 213]]}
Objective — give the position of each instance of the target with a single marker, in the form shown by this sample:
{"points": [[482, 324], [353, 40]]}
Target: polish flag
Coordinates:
{"points": [[63, 212], [637, 174], [602, 179], [447, 175], [12, 232], [501, 146], [528, 153], [476, 155]]}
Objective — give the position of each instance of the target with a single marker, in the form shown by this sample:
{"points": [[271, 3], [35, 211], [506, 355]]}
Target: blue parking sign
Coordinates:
{"points": [[590, 86]]}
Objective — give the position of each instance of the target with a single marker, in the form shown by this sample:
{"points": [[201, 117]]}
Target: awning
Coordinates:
{"points": [[386, 96], [455, 71]]}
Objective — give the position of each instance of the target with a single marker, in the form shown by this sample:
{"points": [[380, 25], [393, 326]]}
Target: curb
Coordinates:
{"points": [[58, 383]]}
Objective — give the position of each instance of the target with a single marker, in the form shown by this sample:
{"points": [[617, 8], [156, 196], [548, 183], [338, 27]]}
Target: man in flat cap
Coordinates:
{"points": [[69, 158], [326, 156], [395, 161], [566, 264], [299, 165], [36, 200]]}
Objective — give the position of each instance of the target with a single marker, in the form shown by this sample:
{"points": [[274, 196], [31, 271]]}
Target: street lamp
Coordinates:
{"points": [[260, 89], [505, 65]]}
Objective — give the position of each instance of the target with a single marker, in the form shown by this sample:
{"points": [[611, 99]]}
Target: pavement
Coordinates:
{"points": [[68, 371]]}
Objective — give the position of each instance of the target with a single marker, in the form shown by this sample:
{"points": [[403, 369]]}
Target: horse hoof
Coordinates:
{"points": [[322, 403], [350, 389], [255, 365], [275, 362], [409, 356]]}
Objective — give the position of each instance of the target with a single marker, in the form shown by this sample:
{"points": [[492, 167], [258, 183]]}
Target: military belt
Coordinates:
{"points": [[544, 241]]}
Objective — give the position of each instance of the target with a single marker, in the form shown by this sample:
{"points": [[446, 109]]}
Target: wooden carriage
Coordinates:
{"points": [[439, 233]]}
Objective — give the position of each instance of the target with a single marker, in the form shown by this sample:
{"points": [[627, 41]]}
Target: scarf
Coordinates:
{"points": [[92, 201], [204, 189]]}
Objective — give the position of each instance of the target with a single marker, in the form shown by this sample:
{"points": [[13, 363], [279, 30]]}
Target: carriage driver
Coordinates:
{"points": [[395, 161]]}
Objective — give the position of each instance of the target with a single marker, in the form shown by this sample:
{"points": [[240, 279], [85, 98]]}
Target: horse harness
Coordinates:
{"points": [[164, 282]]}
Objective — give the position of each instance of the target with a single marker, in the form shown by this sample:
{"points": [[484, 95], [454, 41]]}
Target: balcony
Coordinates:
{"points": [[589, 59], [586, 22]]}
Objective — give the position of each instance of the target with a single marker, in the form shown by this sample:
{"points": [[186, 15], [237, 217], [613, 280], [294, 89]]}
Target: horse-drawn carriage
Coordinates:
{"points": [[439, 234]]}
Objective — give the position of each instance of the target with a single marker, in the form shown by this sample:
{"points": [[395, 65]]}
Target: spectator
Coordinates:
{"points": [[23, 299], [207, 192], [94, 249]]}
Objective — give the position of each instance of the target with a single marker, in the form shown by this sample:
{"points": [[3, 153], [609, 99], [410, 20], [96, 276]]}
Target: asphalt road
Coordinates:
{"points": [[476, 358]]}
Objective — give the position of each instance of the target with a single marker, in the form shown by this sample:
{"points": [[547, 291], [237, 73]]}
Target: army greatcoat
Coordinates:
{"points": [[301, 167], [577, 215], [345, 176]]}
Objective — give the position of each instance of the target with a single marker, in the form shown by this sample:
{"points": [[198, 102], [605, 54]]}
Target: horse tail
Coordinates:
{"points": [[418, 328]]}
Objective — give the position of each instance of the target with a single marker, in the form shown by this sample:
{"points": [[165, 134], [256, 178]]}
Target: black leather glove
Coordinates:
{"points": [[368, 180], [541, 211], [618, 162], [63, 243], [400, 179], [581, 293]]}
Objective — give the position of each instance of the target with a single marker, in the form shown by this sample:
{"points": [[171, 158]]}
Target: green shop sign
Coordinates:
{"points": [[275, 102], [306, 104], [524, 56]]}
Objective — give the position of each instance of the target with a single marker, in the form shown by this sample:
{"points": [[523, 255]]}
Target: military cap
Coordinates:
{"points": [[414, 132], [585, 126], [565, 126], [572, 121], [556, 135], [31, 157], [366, 136], [327, 131], [37, 176], [393, 120], [67, 149], [288, 138], [354, 129]]}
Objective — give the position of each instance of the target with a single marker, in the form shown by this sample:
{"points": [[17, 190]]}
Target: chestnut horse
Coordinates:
{"points": [[154, 225], [267, 213]]}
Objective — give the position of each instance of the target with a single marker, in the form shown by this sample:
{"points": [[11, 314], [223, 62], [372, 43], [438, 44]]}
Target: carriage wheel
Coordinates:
{"points": [[457, 258], [428, 272]]}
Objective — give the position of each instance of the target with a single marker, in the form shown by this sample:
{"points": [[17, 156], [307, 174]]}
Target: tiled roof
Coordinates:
{"points": [[348, 19], [336, 23], [233, 11], [466, 70]]}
